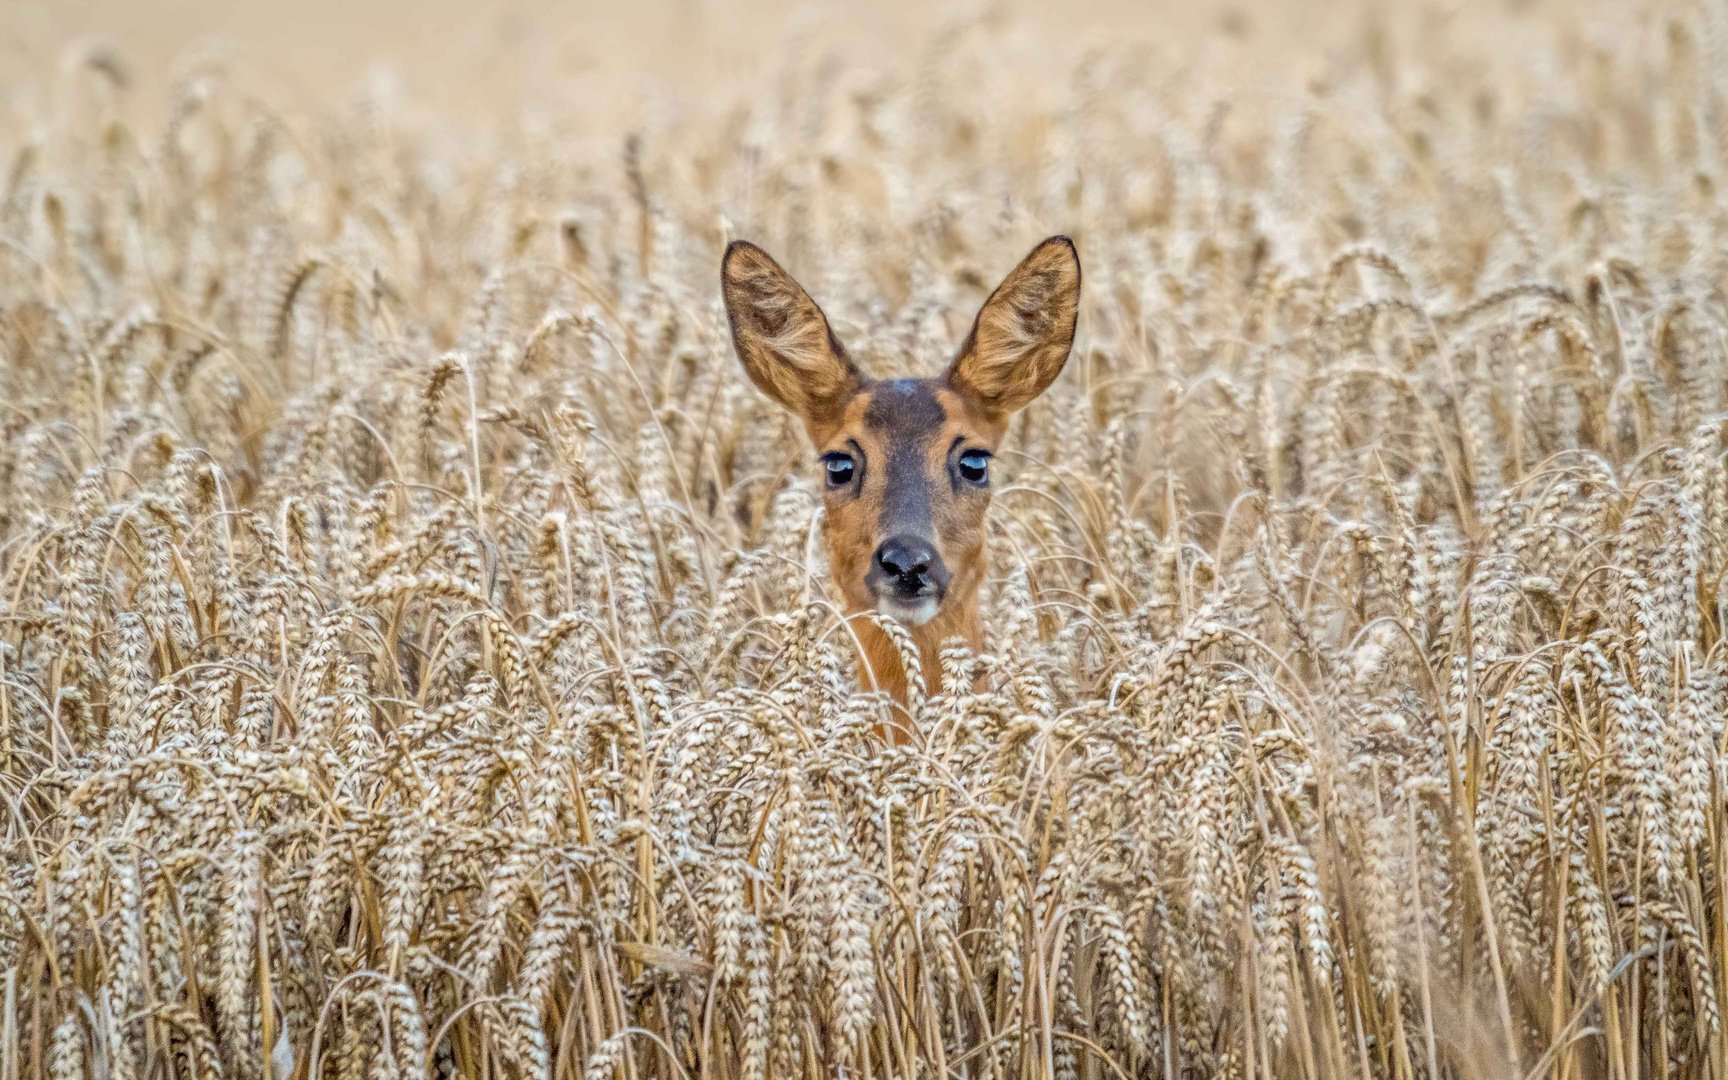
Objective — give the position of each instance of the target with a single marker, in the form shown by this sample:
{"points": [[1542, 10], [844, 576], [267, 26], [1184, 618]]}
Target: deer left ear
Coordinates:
{"points": [[1022, 335], [782, 337]]}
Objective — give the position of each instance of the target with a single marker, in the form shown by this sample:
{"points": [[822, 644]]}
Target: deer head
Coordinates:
{"points": [[906, 462]]}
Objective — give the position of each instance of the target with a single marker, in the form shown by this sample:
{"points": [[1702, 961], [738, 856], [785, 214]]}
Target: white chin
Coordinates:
{"points": [[912, 613]]}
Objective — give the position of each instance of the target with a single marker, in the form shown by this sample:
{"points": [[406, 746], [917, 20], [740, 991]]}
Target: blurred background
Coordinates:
{"points": [[599, 63]]}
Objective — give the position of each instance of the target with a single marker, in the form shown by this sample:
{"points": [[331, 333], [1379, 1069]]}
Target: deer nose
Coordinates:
{"points": [[907, 561]]}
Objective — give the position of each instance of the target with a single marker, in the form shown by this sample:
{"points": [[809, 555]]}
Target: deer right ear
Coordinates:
{"points": [[782, 337], [1022, 335]]}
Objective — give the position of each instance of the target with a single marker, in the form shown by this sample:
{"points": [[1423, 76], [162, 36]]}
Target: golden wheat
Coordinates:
{"points": [[416, 657]]}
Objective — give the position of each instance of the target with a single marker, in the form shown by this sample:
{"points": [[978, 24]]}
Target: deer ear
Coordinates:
{"points": [[1022, 335], [782, 337]]}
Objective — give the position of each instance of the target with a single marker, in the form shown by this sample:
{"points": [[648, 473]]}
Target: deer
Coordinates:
{"points": [[905, 461]]}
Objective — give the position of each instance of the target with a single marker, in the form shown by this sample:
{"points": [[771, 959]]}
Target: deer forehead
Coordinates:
{"points": [[902, 416]]}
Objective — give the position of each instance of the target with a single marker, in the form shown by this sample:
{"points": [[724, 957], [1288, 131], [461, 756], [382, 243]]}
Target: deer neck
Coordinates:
{"points": [[882, 668]]}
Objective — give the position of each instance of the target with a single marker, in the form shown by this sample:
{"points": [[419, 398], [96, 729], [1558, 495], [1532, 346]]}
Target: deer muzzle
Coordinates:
{"points": [[908, 579]]}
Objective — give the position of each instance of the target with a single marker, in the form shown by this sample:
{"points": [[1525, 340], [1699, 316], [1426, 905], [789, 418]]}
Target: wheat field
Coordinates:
{"points": [[417, 657]]}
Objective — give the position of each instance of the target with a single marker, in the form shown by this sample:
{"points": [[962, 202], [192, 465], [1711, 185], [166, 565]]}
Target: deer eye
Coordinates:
{"points": [[840, 468], [975, 467]]}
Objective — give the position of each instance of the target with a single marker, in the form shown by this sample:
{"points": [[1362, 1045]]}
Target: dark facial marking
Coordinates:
{"points": [[905, 415]]}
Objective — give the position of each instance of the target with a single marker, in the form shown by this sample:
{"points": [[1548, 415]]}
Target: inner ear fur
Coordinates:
{"points": [[781, 336], [1021, 337]]}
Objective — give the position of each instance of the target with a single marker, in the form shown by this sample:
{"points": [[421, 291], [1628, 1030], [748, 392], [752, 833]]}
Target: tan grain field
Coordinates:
{"points": [[417, 657]]}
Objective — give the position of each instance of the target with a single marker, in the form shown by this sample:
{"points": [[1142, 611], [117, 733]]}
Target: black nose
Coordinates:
{"points": [[906, 560]]}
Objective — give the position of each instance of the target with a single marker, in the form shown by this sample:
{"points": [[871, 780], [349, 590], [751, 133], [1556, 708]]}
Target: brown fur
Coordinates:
{"points": [[906, 434], [781, 336], [1021, 337]]}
